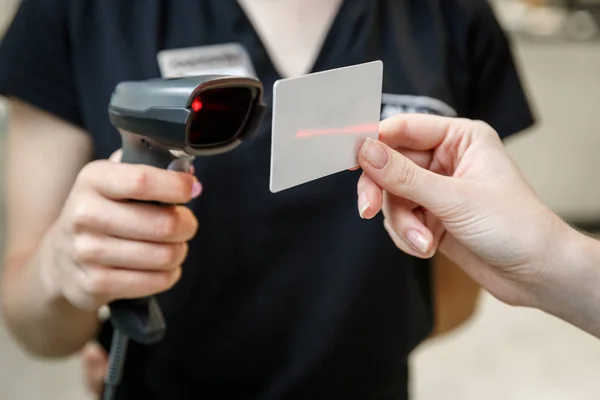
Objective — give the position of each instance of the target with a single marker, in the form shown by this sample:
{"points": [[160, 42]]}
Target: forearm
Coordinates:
{"points": [[572, 289], [40, 319]]}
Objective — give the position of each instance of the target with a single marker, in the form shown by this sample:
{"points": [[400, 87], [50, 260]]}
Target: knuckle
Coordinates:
{"points": [[78, 296], [97, 282], [167, 225], [193, 224], [406, 173], [164, 281], [168, 280], [181, 252], [185, 248], [88, 171], [462, 121], [183, 186], [139, 179], [86, 249], [91, 173], [83, 215], [165, 256], [484, 129], [482, 125]]}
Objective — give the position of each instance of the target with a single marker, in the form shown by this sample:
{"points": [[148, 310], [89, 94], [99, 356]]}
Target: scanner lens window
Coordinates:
{"points": [[220, 115]]}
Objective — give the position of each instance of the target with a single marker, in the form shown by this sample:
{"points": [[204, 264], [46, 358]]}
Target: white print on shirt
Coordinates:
{"points": [[394, 104]]}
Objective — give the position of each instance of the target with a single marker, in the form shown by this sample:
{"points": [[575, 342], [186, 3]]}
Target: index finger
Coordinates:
{"points": [[415, 131], [141, 182]]}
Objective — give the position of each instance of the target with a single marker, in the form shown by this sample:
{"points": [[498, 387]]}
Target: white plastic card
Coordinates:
{"points": [[320, 120]]}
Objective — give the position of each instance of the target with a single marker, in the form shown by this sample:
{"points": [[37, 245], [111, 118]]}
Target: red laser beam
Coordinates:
{"points": [[351, 130], [197, 105]]}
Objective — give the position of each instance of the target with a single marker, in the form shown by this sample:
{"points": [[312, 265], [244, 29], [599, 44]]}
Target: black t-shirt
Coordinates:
{"points": [[287, 296]]}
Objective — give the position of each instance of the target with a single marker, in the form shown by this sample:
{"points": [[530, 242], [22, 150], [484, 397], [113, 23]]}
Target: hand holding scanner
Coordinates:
{"points": [[165, 123]]}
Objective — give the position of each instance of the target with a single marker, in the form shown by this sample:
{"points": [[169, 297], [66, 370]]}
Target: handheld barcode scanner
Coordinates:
{"points": [[166, 123], [162, 120]]}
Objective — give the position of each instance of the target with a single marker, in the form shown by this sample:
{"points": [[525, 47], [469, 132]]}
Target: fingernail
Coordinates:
{"points": [[104, 313], [192, 169], [363, 203], [418, 241], [375, 154], [196, 189]]}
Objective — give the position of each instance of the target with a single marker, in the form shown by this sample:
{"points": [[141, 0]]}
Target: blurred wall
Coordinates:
{"points": [[560, 155]]}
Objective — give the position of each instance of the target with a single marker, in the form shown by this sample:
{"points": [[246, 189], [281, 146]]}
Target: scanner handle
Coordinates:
{"points": [[141, 150], [142, 319]]}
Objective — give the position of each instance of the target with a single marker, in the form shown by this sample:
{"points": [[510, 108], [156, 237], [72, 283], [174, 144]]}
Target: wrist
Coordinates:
{"points": [[570, 287]]}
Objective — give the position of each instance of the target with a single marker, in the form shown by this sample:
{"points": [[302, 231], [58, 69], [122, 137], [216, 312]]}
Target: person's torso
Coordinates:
{"points": [[286, 296]]}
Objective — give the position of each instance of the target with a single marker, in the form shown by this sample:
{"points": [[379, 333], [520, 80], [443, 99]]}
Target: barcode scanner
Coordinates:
{"points": [[166, 123]]}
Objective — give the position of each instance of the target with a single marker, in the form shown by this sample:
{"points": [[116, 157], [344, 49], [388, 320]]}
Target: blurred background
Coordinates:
{"points": [[504, 352]]}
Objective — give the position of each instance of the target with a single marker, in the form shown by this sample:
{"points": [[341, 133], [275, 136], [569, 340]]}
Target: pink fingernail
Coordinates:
{"points": [[363, 203], [196, 189], [374, 153], [418, 241]]}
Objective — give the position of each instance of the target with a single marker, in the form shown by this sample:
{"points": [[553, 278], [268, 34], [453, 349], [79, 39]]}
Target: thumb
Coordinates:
{"points": [[401, 177]]}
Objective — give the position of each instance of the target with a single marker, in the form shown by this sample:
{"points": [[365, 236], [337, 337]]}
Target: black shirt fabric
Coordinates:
{"points": [[287, 296]]}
